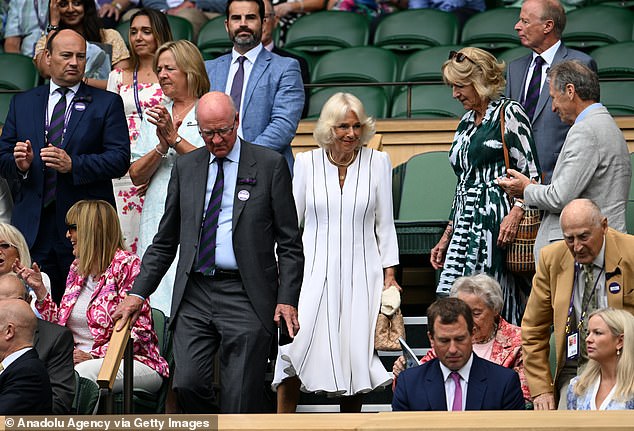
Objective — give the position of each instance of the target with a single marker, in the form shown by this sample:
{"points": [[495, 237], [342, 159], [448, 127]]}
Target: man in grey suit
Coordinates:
{"points": [[594, 162], [266, 88], [230, 208], [540, 27]]}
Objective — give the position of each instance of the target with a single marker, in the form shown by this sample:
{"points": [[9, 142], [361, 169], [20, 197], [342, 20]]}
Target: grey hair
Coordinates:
{"points": [[584, 79], [483, 286]]}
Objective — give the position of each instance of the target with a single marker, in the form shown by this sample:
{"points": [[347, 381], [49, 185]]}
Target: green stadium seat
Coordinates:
{"points": [[629, 220], [492, 29], [615, 60], [428, 101], [326, 31], [19, 72], [425, 64], [213, 40], [86, 396], [358, 64], [424, 209], [618, 97], [5, 101], [375, 100], [594, 26], [415, 29]]}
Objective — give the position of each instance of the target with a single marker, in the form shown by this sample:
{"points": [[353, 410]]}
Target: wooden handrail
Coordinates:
{"points": [[114, 354]]}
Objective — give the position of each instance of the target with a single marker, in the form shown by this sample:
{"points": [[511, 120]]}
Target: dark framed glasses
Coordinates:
{"points": [[71, 227], [5, 245], [460, 57]]}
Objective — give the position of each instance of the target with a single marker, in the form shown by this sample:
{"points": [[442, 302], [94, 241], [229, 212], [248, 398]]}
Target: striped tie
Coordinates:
{"points": [[207, 246], [55, 135], [532, 94]]}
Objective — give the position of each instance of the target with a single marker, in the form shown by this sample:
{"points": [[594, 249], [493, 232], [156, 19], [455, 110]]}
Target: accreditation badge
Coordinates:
{"points": [[572, 349]]}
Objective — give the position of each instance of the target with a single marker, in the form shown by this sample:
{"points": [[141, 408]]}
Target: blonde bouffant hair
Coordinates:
{"points": [[98, 234], [621, 324], [479, 68], [334, 111]]}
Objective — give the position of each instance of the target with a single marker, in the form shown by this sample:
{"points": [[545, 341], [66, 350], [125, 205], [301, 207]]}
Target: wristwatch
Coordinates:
{"points": [[176, 141], [50, 28], [520, 204]]}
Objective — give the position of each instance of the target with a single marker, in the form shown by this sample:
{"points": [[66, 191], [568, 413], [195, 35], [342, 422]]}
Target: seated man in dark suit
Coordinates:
{"points": [[24, 385], [457, 379], [54, 345]]}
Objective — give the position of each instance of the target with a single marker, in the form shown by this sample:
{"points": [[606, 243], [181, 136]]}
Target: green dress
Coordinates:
{"points": [[480, 205]]}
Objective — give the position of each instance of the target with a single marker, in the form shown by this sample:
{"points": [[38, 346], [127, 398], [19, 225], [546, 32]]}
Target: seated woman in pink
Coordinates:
{"points": [[99, 278]]}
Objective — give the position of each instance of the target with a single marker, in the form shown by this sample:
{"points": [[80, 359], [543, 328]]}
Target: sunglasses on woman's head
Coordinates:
{"points": [[459, 57]]}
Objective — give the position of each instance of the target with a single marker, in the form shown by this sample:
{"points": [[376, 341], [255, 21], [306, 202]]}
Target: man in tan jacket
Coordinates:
{"points": [[557, 297]]}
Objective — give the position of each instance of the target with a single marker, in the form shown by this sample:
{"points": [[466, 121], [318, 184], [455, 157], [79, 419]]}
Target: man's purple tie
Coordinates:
{"points": [[532, 94], [457, 398], [55, 135], [207, 246], [238, 81]]}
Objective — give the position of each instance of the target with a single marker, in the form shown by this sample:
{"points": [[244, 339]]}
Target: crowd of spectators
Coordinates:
{"points": [[149, 177]]}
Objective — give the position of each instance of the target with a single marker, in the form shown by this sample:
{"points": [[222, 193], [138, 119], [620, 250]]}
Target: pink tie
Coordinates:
{"points": [[457, 399]]}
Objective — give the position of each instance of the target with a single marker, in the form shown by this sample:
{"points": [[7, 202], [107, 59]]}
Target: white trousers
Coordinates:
{"points": [[144, 377]]}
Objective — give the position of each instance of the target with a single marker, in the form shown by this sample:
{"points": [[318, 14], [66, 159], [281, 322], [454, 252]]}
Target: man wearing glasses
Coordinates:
{"points": [[230, 207], [266, 88]]}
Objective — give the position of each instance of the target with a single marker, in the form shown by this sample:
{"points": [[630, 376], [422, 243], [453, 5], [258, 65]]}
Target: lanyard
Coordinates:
{"points": [[66, 119], [135, 83], [41, 23], [571, 307]]}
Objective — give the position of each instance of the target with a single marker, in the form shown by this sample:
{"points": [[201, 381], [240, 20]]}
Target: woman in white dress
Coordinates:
{"points": [[607, 381], [343, 193], [167, 131]]}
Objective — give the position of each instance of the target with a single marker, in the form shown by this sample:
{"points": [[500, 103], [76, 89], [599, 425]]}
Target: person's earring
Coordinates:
{"points": [[618, 352]]}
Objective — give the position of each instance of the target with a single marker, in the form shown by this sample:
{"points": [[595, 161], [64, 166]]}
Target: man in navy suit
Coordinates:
{"points": [[271, 98], [62, 142], [457, 379], [540, 26], [24, 385]]}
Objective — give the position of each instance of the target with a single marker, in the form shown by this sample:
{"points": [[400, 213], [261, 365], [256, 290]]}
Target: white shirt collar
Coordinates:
{"points": [[53, 87], [14, 357], [464, 371], [549, 54], [251, 54]]}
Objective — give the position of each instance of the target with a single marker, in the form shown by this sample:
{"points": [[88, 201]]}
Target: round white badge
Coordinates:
{"points": [[80, 106], [243, 195]]}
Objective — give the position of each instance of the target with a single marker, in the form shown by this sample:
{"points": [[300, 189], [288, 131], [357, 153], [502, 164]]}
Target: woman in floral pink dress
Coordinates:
{"points": [[138, 87], [100, 277]]}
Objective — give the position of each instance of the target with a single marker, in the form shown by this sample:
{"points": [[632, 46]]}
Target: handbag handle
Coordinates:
{"points": [[504, 147]]}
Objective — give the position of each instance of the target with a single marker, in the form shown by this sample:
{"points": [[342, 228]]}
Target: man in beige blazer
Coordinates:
{"points": [[594, 162], [559, 283]]}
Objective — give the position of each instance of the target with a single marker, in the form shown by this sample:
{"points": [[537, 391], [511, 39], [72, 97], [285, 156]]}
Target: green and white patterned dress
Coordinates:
{"points": [[479, 205]]}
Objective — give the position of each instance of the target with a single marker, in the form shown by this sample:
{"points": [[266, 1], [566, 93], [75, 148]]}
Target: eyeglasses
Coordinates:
{"points": [[223, 133], [6, 245], [71, 227], [460, 57]]}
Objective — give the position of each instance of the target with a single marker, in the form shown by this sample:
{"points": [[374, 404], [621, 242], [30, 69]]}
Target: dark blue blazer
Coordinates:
{"points": [[96, 139], [25, 388], [491, 387]]}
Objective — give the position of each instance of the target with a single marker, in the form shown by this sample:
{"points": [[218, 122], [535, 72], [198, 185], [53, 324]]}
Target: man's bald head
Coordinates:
{"points": [[17, 326], [584, 228], [12, 287], [217, 122]]}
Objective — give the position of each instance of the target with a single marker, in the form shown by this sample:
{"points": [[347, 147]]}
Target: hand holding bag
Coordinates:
{"points": [[520, 258], [389, 325]]}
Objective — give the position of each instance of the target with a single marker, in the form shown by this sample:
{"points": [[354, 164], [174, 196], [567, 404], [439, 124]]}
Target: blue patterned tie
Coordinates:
{"points": [[55, 135], [207, 245], [238, 81], [532, 94]]}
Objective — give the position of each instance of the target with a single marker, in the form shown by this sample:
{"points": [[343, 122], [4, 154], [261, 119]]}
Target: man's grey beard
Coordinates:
{"points": [[247, 43]]}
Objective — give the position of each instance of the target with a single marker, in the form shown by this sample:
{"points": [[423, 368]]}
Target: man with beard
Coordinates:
{"points": [[266, 88]]}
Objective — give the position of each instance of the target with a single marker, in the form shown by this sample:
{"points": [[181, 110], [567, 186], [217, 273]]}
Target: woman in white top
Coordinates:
{"points": [[607, 381]]}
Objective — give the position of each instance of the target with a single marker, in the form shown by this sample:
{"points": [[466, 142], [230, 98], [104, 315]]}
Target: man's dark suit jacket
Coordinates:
{"points": [[263, 224], [54, 345], [549, 131], [491, 387], [25, 388], [96, 140]]}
